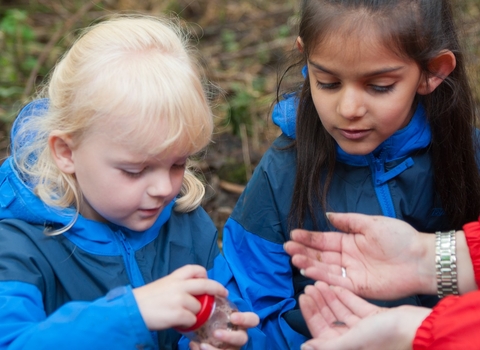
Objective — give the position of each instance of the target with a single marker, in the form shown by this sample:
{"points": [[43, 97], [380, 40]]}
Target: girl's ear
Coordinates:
{"points": [[61, 149], [440, 67], [299, 43]]}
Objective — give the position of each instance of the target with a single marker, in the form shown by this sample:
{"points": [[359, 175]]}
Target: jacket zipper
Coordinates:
{"points": [[131, 265], [381, 187]]}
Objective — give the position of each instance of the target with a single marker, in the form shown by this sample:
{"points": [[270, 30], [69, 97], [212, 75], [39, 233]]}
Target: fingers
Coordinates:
{"points": [[357, 305], [329, 272], [317, 240], [353, 222], [323, 260], [196, 281], [321, 255], [235, 339], [336, 306], [245, 319], [189, 271], [230, 339], [315, 312]]}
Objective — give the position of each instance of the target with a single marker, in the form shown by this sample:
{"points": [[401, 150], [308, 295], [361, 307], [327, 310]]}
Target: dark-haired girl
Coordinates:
{"points": [[383, 123]]}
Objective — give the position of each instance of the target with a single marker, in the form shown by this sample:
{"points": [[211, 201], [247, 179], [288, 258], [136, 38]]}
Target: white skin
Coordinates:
{"points": [[363, 91], [125, 186], [364, 325], [119, 184], [384, 258]]}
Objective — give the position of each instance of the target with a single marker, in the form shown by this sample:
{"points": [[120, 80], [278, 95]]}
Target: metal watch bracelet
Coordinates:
{"points": [[446, 263]]}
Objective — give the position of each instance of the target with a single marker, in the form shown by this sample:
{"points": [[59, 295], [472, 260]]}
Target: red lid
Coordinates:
{"points": [[207, 302]]}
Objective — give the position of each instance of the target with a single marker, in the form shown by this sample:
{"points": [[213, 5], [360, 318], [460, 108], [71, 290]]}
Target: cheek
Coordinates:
{"points": [[177, 181], [324, 110]]}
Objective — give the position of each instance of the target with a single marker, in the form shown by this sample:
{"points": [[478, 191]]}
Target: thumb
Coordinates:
{"points": [[350, 222]]}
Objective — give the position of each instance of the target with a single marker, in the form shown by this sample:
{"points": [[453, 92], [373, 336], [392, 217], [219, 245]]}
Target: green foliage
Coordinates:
{"points": [[16, 61], [229, 41], [233, 172], [284, 31], [240, 104]]}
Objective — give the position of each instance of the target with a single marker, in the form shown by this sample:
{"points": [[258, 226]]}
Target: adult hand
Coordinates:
{"points": [[169, 301], [382, 258], [233, 340], [338, 319]]}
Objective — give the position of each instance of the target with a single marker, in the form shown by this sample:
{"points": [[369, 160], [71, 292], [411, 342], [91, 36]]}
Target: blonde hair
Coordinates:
{"points": [[139, 68]]}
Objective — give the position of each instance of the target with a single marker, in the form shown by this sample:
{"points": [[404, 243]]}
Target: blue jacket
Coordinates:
{"points": [[74, 291], [398, 182]]}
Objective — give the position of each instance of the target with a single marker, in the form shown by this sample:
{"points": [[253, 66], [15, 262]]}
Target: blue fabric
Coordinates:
{"points": [[74, 290], [77, 325]]}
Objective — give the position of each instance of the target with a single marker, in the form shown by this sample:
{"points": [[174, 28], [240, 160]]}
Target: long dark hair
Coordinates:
{"points": [[419, 30]]}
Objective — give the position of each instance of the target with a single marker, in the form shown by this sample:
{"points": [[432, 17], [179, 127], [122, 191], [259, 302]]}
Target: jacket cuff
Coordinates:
{"points": [[472, 235], [424, 336], [123, 298]]}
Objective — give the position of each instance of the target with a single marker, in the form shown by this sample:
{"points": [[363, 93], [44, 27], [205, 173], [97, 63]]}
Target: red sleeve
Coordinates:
{"points": [[472, 235], [454, 322]]}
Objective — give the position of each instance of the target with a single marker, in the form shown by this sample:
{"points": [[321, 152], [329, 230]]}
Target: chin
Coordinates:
{"points": [[355, 151]]}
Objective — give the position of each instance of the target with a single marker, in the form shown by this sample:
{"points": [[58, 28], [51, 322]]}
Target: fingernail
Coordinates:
{"points": [[306, 347], [203, 347], [218, 334], [328, 215], [302, 272]]}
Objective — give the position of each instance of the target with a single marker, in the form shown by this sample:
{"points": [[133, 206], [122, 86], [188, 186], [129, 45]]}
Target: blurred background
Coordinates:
{"points": [[241, 44]]}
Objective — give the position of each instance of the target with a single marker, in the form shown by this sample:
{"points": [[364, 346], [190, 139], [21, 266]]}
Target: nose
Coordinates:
{"points": [[351, 103], [159, 184]]}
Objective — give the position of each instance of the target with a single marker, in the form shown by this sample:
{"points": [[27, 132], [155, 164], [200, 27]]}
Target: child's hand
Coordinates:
{"points": [[234, 339], [170, 302]]}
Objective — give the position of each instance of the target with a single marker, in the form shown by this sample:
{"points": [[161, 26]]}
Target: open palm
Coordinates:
{"points": [[383, 257]]}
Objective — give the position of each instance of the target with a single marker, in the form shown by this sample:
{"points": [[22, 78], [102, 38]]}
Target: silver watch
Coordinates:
{"points": [[446, 263]]}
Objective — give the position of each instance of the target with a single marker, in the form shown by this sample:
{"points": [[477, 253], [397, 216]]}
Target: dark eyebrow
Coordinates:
{"points": [[368, 74]]}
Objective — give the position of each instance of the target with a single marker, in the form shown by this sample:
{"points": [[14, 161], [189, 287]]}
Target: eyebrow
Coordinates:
{"points": [[368, 74]]}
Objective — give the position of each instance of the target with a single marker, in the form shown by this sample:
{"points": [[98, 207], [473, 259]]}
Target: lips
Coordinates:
{"points": [[354, 134], [149, 212]]}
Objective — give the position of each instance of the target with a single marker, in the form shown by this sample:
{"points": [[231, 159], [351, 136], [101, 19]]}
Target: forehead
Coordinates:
{"points": [[356, 48], [149, 137]]}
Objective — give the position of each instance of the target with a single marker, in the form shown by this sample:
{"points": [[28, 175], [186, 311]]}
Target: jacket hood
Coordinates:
{"points": [[18, 201], [416, 135]]}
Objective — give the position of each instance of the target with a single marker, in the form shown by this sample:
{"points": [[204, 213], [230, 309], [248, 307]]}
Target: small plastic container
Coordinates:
{"points": [[214, 314]]}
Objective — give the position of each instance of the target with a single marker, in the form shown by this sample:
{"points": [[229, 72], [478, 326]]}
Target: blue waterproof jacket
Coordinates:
{"points": [[74, 290], [395, 180]]}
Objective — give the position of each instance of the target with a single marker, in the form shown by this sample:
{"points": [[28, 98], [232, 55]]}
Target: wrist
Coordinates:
{"points": [[409, 319], [465, 272], [426, 274]]}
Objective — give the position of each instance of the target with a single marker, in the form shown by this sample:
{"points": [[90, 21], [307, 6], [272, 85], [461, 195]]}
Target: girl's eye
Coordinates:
{"points": [[133, 174], [382, 89], [327, 86]]}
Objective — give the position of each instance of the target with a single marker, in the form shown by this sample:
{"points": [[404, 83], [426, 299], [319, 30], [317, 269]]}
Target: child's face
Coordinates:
{"points": [[363, 91], [123, 186]]}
